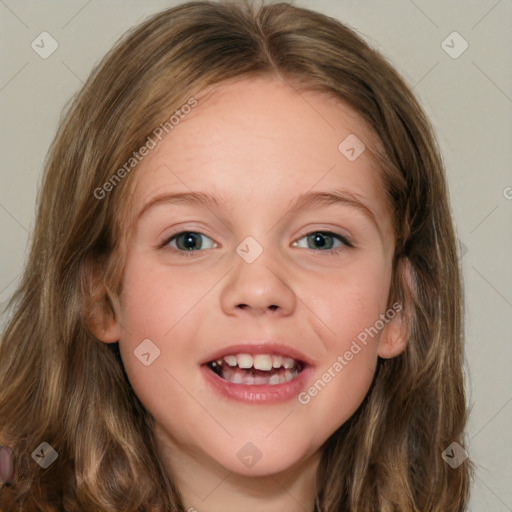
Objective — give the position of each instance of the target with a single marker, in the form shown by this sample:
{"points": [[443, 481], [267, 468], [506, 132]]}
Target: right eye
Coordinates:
{"points": [[186, 242]]}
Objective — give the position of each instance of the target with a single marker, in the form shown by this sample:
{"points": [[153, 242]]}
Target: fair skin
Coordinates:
{"points": [[257, 145]]}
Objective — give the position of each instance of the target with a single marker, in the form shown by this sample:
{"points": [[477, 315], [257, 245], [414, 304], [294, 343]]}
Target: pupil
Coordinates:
{"points": [[189, 241], [319, 239]]}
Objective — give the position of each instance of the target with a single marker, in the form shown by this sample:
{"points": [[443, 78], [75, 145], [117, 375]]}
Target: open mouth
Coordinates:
{"points": [[258, 369]]}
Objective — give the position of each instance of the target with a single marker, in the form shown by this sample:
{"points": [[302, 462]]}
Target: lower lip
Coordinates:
{"points": [[256, 393]]}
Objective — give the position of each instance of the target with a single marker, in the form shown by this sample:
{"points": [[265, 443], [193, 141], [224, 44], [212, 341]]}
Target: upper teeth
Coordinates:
{"points": [[263, 362]]}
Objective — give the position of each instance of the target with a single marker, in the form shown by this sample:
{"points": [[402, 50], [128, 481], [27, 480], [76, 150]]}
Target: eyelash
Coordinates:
{"points": [[328, 252]]}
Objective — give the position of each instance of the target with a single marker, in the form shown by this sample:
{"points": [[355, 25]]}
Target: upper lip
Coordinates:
{"points": [[262, 347]]}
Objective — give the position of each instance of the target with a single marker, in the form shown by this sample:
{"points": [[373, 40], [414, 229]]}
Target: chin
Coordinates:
{"points": [[261, 457]]}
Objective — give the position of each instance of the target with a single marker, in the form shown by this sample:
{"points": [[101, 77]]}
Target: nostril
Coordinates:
{"points": [[273, 307]]}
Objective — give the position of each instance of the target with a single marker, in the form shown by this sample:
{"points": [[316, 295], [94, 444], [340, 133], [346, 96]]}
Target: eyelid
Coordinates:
{"points": [[345, 239], [341, 238], [168, 238]]}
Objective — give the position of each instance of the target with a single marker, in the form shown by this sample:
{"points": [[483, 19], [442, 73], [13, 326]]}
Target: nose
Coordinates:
{"points": [[260, 287]]}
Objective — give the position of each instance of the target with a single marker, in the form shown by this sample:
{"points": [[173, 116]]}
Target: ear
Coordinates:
{"points": [[101, 311], [395, 335], [393, 339]]}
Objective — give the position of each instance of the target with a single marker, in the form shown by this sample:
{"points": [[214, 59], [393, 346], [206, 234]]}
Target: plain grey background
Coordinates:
{"points": [[467, 94]]}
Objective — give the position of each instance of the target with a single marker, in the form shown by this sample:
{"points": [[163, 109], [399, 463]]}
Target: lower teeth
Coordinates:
{"points": [[236, 375]]}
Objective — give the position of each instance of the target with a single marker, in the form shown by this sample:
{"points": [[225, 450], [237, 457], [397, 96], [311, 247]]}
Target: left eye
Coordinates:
{"points": [[324, 240], [189, 241]]}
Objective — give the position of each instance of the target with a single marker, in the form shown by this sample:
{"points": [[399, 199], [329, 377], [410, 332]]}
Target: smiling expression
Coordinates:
{"points": [[259, 253]]}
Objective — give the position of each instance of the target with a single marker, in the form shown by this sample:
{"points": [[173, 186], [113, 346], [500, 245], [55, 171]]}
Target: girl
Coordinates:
{"points": [[243, 291]]}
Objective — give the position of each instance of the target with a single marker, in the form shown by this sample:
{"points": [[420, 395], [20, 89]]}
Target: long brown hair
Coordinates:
{"points": [[62, 386]]}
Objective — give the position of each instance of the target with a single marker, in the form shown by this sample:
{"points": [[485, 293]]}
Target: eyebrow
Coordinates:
{"points": [[341, 197], [303, 201], [201, 198]]}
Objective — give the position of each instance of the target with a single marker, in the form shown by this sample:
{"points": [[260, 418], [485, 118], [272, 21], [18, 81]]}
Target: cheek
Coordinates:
{"points": [[350, 309], [349, 301], [156, 299], [169, 307], [336, 393], [155, 316]]}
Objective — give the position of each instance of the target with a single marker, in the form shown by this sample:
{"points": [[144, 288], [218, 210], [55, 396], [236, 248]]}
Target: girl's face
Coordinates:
{"points": [[254, 304]]}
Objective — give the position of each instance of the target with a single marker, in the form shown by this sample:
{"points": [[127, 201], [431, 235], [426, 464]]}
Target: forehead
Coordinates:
{"points": [[259, 142]]}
